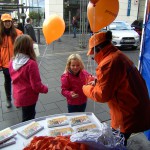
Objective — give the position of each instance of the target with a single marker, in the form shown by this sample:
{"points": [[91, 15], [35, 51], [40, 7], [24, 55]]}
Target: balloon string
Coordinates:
{"points": [[94, 104], [43, 55]]}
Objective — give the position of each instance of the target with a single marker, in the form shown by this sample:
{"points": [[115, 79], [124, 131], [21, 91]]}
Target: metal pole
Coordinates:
{"points": [[83, 28], [143, 33], [69, 21]]}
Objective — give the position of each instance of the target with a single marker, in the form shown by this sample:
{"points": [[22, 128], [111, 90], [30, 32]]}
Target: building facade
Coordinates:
{"points": [[129, 10]]}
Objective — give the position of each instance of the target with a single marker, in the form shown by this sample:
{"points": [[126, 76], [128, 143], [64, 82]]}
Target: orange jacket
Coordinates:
{"points": [[6, 50], [120, 84]]}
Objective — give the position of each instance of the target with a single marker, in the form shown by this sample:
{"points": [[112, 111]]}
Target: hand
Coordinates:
{"points": [[74, 95], [91, 83]]}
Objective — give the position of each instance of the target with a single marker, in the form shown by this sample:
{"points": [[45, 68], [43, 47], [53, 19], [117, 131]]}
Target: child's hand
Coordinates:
{"points": [[91, 83], [91, 80], [74, 95]]}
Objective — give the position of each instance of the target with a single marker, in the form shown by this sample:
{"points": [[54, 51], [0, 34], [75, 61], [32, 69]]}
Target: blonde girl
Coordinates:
{"points": [[72, 80]]}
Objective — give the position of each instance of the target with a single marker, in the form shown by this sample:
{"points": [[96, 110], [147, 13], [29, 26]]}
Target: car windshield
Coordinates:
{"points": [[119, 26]]}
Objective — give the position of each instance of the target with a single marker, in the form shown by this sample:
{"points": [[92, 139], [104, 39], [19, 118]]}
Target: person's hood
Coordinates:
{"points": [[19, 61]]}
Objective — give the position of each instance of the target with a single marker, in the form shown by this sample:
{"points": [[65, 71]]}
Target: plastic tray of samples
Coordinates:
{"points": [[57, 121], [85, 127], [30, 130], [79, 119], [8, 143], [54, 131], [6, 134], [60, 131]]}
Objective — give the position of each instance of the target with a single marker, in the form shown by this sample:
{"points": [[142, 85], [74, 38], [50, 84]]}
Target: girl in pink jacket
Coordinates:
{"points": [[25, 77], [72, 80]]}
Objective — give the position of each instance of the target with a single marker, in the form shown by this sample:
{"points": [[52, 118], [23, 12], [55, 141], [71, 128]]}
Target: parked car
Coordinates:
{"points": [[124, 35], [137, 26]]}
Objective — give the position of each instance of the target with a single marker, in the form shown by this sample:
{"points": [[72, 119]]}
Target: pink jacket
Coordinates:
{"points": [[74, 83], [26, 84]]}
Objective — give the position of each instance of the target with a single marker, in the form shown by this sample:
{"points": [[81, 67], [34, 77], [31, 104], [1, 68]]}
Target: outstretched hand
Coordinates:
{"points": [[74, 95]]}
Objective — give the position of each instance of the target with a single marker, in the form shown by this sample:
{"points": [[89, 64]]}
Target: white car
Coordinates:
{"points": [[124, 35]]}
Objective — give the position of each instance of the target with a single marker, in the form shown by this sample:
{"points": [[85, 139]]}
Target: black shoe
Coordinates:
{"points": [[8, 104]]}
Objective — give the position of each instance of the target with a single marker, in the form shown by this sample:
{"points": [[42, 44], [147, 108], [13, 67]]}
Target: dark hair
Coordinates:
{"points": [[13, 33], [24, 44], [28, 20], [108, 35]]}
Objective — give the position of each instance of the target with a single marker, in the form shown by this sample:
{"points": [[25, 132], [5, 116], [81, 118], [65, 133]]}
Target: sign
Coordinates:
{"points": [[129, 8]]}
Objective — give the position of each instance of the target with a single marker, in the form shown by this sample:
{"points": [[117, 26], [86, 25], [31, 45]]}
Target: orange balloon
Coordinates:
{"points": [[102, 14], [53, 28]]}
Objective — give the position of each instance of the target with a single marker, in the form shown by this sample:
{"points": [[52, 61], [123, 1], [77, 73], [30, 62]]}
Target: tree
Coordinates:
{"points": [[36, 17]]}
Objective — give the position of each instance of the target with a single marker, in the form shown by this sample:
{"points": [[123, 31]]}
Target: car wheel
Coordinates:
{"points": [[134, 47]]}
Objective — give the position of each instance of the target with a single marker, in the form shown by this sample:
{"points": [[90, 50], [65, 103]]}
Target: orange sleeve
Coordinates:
{"points": [[88, 91]]}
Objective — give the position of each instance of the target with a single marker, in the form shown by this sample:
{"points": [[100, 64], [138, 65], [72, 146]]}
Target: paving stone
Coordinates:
{"points": [[58, 89], [104, 116], [1, 115], [62, 106], [41, 114], [51, 97], [52, 82], [5, 109], [138, 142], [53, 112], [52, 74], [50, 106], [8, 123], [94, 107], [10, 115], [39, 107]]}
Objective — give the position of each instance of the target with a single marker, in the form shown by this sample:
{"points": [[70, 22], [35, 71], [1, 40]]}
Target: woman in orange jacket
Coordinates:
{"points": [[8, 34], [120, 84]]}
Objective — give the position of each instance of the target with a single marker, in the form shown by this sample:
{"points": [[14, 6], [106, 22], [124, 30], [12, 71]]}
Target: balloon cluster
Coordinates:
{"points": [[101, 13], [53, 28]]}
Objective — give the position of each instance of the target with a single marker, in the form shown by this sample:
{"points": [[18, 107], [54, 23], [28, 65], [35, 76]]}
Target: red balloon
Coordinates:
{"points": [[94, 1]]}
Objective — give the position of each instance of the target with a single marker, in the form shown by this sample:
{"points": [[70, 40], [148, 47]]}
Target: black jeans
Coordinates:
{"points": [[7, 83], [76, 108], [28, 112]]}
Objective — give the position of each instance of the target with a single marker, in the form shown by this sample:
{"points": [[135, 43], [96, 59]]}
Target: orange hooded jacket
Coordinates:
{"points": [[6, 50], [120, 84]]}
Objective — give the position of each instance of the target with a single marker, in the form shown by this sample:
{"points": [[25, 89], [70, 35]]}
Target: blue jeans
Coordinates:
{"points": [[74, 31], [76, 108]]}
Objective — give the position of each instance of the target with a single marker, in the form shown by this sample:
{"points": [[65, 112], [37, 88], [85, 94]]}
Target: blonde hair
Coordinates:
{"points": [[74, 57]]}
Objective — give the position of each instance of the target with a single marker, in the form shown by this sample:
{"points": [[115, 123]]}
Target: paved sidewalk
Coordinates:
{"points": [[51, 67]]}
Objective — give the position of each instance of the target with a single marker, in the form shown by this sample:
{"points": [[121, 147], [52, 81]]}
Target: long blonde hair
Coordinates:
{"points": [[74, 57]]}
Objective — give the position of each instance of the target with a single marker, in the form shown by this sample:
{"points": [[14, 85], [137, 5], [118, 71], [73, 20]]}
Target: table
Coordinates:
{"points": [[21, 142]]}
